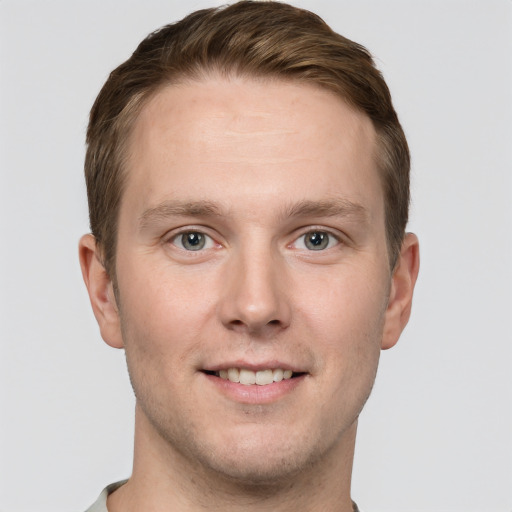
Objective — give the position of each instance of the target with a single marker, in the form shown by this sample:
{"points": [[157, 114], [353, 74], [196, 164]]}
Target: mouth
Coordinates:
{"points": [[258, 378]]}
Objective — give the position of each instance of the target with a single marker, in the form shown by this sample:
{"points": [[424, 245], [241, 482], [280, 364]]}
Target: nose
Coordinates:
{"points": [[255, 297]]}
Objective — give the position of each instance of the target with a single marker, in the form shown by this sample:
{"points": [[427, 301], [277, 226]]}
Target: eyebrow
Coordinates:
{"points": [[336, 207], [179, 209]]}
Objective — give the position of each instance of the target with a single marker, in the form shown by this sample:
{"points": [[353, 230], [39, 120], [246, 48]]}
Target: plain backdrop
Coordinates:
{"points": [[436, 434]]}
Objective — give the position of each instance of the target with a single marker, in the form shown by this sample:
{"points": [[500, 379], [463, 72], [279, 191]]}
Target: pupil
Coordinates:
{"points": [[193, 241], [317, 240]]}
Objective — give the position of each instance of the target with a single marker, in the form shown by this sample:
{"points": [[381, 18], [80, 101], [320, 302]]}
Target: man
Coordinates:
{"points": [[248, 186]]}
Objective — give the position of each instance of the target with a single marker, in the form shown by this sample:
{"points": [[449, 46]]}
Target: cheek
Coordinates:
{"points": [[345, 315], [160, 334], [162, 303], [352, 300], [161, 324]]}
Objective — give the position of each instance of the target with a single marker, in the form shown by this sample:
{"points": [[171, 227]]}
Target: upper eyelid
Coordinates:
{"points": [[338, 238], [172, 236], [311, 229], [173, 233], [173, 239], [296, 234]]}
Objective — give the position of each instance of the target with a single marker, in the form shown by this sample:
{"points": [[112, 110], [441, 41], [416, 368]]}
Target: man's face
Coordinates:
{"points": [[252, 242]]}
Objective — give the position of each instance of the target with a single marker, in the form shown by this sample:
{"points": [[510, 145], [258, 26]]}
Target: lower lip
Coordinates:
{"points": [[254, 394]]}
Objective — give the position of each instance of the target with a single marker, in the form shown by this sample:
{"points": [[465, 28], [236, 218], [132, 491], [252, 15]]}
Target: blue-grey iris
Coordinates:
{"points": [[193, 241], [316, 240]]}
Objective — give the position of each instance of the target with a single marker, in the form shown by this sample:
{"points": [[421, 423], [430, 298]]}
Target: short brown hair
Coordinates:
{"points": [[252, 39]]}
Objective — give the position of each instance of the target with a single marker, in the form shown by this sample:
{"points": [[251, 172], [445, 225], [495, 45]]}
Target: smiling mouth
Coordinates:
{"points": [[258, 378]]}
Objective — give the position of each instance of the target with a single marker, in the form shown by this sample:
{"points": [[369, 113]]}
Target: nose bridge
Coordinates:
{"points": [[254, 296]]}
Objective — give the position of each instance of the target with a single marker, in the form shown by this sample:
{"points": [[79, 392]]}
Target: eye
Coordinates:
{"points": [[192, 241], [316, 241]]}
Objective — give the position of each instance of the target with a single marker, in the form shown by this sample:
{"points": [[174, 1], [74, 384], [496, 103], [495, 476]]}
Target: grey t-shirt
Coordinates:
{"points": [[100, 505]]}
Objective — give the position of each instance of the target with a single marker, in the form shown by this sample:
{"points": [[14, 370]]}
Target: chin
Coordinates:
{"points": [[258, 470], [259, 459]]}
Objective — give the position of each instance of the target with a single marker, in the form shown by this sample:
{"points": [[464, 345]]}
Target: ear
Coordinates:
{"points": [[402, 288], [101, 291]]}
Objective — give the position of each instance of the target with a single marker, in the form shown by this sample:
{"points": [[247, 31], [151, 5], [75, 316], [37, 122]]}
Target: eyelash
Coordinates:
{"points": [[326, 240], [207, 241], [319, 239]]}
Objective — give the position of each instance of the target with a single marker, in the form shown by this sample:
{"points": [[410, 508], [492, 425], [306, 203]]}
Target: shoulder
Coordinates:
{"points": [[100, 505]]}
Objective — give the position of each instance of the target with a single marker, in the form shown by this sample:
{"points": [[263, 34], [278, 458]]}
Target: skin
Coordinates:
{"points": [[255, 166]]}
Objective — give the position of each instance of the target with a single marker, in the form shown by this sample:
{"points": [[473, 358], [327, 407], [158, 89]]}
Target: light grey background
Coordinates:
{"points": [[436, 434]]}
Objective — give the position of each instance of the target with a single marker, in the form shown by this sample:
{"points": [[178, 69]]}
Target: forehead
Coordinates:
{"points": [[252, 135]]}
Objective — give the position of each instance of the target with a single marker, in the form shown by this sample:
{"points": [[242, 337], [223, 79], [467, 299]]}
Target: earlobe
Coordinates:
{"points": [[402, 288], [101, 293]]}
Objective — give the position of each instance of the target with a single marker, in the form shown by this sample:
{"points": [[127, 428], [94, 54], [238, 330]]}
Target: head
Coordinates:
{"points": [[248, 189], [248, 39]]}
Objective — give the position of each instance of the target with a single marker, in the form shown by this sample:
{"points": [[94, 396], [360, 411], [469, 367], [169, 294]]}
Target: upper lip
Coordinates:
{"points": [[255, 367]]}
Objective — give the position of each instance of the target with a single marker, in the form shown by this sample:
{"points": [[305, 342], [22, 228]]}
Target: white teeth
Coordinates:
{"points": [[234, 375], [278, 375], [264, 377], [261, 377], [247, 377]]}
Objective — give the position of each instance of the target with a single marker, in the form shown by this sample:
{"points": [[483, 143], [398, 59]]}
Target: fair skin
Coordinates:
{"points": [[251, 237]]}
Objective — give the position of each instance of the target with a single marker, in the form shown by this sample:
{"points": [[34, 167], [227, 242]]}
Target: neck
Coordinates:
{"points": [[164, 479]]}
